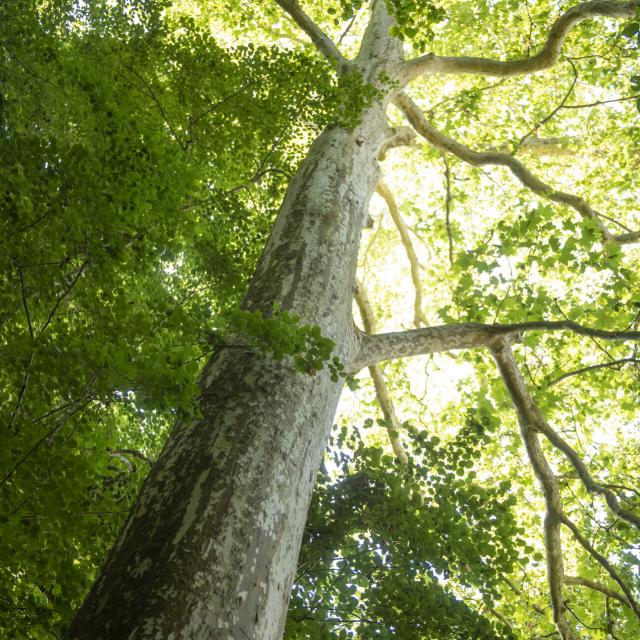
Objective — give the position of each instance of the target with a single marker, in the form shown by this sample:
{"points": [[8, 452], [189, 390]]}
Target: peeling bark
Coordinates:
{"points": [[210, 548]]}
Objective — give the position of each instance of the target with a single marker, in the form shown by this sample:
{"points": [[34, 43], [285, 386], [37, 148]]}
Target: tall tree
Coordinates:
{"points": [[210, 547]]}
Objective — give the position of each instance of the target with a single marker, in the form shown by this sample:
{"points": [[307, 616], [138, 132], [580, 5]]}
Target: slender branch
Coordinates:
{"points": [[589, 483], [547, 56], [467, 335], [528, 415], [24, 303], [343, 35], [593, 367], [387, 195], [597, 586], [23, 388], [499, 616], [518, 591], [447, 206], [591, 338], [621, 487], [528, 179], [61, 297], [320, 39], [549, 116], [195, 119], [456, 96], [597, 103], [150, 93], [589, 548], [382, 392], [50, 433]]}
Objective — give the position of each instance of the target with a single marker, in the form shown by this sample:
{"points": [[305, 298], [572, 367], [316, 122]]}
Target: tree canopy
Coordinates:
{"points": [[146, 146]]}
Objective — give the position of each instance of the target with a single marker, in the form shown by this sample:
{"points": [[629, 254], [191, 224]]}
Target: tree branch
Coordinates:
{"points": [[600, 102], [24, 303], [528, 179], [531, 422], [23, 388], [320, 39], [532, 132], [398, 137], [447, 206], [387, 195], [528, 416], [593, 367], [597, 586], [382, 392], [62, 296], [466, 335], [588, 547], [589, 483], [548, 55]]}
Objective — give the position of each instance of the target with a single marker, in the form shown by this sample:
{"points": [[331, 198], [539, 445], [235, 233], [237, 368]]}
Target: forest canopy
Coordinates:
{"points": [[145, 149]]}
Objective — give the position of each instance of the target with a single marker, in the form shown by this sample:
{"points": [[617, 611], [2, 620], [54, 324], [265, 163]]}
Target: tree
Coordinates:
{"points": [[210, 547]]}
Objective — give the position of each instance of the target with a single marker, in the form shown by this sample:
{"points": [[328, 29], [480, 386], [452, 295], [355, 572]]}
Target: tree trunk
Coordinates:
{"points": [[210, 548]]}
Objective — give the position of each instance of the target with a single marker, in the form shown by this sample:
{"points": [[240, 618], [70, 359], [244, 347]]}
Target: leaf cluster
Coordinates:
{"points": [[280, 335], [385, 545]]}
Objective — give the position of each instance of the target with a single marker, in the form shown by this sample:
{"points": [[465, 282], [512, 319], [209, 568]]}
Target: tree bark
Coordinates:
{"points": [[210, 547]]}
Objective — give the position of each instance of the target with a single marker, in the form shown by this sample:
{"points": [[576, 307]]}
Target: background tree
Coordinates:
{"points": [[143, 162]]}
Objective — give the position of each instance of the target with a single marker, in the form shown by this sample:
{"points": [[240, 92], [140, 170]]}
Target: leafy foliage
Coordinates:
{"points": [[142, 164], [382, 542], [280, 335], [415, 20], [144, 149]]}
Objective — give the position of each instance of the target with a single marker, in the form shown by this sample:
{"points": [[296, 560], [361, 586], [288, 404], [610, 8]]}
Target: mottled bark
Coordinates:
{"points": [[210, 548]]}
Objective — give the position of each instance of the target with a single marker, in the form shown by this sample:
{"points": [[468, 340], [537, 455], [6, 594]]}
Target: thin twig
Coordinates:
{"points": [[382, 392], [593, 367], [447, 205]]}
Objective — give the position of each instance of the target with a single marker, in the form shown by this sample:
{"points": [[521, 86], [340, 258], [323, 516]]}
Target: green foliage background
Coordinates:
{"points": [[145, 146]]}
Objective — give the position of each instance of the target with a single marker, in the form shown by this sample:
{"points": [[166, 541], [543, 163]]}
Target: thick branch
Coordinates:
{"points": [[398, 137], [547, 56], [467, 335], [528, 179], [597, 586], [382, 392], [321, 40], [385, 192]]}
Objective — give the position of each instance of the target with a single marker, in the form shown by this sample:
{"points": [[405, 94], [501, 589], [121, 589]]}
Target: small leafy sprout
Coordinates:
{"points": [[283, 335]]}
